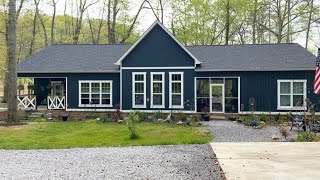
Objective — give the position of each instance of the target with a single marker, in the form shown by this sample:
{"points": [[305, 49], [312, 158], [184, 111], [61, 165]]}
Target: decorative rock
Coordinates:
{"points": [[98, 119], [168, 117], [166, 121], [160, 120], [180, 123], [120, 121], [275, 137]]}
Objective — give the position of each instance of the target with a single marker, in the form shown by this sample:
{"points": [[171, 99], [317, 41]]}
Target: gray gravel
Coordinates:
{"points": [[141, 162], [228, 131]]}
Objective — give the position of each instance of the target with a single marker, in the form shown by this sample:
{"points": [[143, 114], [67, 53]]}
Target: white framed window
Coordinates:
{"points": [[139, 89], [292, 94], [175, 89], [157, 90], [95, 93]]}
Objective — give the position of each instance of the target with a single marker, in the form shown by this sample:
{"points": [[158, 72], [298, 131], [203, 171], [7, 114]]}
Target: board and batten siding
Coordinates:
{"points": [[158, 49], [73, 85], [262, 86], [188, 94]]}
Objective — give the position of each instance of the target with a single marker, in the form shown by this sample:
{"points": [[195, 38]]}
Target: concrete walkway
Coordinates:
{"points": [[269, 160]]}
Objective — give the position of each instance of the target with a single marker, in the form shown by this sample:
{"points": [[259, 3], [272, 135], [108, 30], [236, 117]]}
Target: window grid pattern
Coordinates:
{"points": [[139, 90], [95, 93], [157, 90], [291, 94], [176, 89]]}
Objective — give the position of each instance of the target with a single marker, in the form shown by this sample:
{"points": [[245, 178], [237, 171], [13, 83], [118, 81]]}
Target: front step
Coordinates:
{"points": [[33, 116], [217, 117]]}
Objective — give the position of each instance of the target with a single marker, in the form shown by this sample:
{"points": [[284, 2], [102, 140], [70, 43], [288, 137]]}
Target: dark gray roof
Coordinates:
{"points": [[258, 57], [74, 58], [101, 58]]}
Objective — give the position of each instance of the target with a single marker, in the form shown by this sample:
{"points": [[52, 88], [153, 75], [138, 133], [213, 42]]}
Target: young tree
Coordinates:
{"points": [[12, 74]]}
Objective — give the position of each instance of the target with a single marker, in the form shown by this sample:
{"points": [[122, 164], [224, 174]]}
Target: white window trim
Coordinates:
{"points": [[170, 90], [144, 89], [95, 105], [291, 107], [163, 88]]}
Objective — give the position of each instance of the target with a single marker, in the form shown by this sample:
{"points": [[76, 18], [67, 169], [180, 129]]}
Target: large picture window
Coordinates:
{"points": [[139, 90], [292, 94], [176, 89], [95, 93], [157, 90]]}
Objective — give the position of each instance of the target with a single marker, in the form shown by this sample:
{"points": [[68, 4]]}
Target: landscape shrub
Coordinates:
{"points": [[241, 119], [183, 116], [159, 115], [263, 117], [307, 137], [142, 116], [105, 119], [131, 121], [277, 117]]}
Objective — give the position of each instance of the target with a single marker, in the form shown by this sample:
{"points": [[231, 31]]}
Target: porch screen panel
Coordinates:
{"points": [[231, 89], [203, 94]]}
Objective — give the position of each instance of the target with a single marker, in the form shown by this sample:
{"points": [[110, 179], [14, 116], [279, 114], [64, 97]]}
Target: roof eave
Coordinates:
{"points": [[278, 69]]}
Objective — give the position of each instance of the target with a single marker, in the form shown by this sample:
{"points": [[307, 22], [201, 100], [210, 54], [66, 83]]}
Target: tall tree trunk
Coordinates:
{"points": [[12, 86], [111, 23], [309, 23], [254, 22], [54, 3], [42, 23], [227, 22], [34, 30], [6, 79], [288, 25]]}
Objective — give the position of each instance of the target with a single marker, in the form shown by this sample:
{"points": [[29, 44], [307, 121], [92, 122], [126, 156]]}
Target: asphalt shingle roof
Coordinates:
{"points": [[258, 57], [74, 58], [101, 58]]}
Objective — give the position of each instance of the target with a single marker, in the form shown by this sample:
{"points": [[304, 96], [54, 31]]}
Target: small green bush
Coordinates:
{"points": [[131, 121], [277, 117], [159, 115], [307, 137], [142, 115], [183, 116], [241, 119], [105, 119], [263, 117]]}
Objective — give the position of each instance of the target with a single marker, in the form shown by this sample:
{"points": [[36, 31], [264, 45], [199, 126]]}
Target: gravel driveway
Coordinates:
{"points": [[228, 131], [141, 162]]}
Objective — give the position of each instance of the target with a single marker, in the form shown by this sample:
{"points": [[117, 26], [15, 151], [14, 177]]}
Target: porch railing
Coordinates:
{"points": [[26, 101], [56, 102]]}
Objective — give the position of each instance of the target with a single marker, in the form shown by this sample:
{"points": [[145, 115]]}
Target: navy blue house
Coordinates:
{"points": [[158, 73]]}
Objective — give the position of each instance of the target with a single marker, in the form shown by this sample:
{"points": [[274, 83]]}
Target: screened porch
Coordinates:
{"points": [[43, 93]]}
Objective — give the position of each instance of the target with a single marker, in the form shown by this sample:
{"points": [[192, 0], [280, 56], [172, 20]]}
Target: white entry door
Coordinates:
{"points": [[217, 98], [57, 88]]}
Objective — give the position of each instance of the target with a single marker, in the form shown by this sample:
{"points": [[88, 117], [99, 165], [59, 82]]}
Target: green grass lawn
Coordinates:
{"points": [[57, 135]]}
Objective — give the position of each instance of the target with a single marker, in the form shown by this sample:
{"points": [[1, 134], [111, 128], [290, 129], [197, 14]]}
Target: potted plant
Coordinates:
{"points": [[65, 116], [21, 87], [49, 87]]}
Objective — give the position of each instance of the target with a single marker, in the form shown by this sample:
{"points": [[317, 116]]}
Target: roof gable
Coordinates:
{"points": [[146, 33]]}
